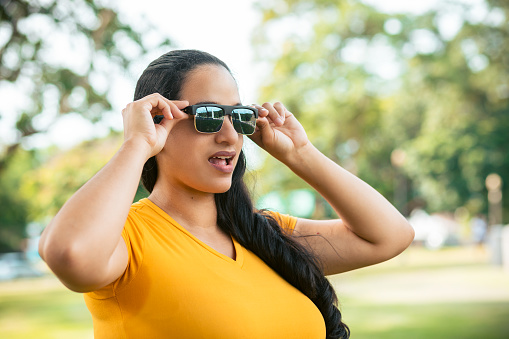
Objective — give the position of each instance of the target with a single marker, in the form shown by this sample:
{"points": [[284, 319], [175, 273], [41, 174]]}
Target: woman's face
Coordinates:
{"points": [[193, 160]]}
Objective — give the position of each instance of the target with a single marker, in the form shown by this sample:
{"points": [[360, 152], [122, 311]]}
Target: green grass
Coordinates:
{"points": [[486, 320], [42, 308], [447, 294]]}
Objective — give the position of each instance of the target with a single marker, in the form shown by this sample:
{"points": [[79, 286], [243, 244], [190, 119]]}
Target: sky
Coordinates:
{"points": [[220, 27]]}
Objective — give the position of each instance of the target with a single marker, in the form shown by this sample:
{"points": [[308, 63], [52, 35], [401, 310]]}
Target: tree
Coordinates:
{"points": [[365, 83], [61, 173], [464, 100], [13, 206], [95, 43], [323, 73], [56, 58]]}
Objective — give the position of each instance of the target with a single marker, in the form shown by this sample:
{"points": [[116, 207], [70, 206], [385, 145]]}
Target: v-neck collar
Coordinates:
{"points": [[239, 253]]}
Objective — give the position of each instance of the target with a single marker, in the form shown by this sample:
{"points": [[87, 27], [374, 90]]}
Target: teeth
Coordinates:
{"points": [[223, 157]]}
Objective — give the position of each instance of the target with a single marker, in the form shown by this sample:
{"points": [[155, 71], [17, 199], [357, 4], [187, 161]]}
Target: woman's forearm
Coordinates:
{"points": [[365, 211], [83, 235]]}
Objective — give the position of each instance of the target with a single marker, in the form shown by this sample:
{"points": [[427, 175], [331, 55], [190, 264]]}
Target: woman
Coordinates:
{"points": [[195, 259]]}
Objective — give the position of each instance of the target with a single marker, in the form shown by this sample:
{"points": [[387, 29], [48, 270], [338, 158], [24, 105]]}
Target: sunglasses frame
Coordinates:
{"points": [[191, 110], [228, 110]]}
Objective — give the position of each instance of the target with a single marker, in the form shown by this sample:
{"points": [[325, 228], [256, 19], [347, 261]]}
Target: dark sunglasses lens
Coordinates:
{"points": [[244, 121], [209, 119]]}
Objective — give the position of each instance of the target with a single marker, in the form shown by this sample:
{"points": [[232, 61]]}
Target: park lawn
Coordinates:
{"points": [[42, 308], [468, 320], [453, 293], [447, 294]]}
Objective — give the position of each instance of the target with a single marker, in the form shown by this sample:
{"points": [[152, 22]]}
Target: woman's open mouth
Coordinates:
{"points": [[223, 161]]}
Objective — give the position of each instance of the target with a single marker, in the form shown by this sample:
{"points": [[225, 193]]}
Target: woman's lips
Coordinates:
{"points": [[223, 161]]}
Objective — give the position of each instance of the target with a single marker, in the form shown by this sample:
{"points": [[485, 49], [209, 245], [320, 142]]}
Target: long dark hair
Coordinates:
{"points": [[259, 232]]}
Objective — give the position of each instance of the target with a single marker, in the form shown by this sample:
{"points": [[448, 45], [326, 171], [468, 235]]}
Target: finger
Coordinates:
{"points": [[263, 129], [176, 109], [162, 105], [262, 111], [273, 114], [180, 103], [177, 114], [281, 109], [156, 104], [167, 125], [256, 138]]}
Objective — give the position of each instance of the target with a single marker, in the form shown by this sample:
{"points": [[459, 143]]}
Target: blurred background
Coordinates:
{"points": [[413, 97]]}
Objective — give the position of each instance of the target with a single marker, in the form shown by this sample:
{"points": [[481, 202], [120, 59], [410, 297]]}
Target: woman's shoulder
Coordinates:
{"points": [[141, 205], [285, 221], [143, 210]]}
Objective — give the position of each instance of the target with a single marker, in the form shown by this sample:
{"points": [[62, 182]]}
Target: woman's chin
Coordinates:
{"points": [[220, 186], [223, 189]]}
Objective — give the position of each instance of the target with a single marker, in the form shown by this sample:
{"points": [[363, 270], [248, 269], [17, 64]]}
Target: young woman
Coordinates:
{"points": [[195, 259]]}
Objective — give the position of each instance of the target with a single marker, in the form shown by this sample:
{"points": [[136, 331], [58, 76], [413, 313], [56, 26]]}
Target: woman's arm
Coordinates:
{"points": [[370, 230], [83, 244]]}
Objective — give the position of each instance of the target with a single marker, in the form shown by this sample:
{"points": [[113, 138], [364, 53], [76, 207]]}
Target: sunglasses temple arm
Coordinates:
{"points": [[158, 118]]}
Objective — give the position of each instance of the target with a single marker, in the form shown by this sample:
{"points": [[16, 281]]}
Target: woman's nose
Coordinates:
{"points": [[227, 133]]}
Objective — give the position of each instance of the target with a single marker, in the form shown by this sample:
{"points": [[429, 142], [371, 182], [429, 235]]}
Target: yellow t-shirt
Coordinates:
{"points": [[176, 286]]}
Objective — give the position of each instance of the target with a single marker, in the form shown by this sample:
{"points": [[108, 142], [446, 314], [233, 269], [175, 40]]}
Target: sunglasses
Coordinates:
{"points": [[209, 118]]}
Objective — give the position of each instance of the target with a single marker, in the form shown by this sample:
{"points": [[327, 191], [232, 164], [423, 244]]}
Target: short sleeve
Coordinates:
{"points": [[286, 221]]}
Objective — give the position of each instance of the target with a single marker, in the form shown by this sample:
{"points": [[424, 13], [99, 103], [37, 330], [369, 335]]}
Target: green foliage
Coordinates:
{"points": [[62, 57], [13, 205], [104, 41], [59, 57], [63, 172], [35, 185], [365, 83]]}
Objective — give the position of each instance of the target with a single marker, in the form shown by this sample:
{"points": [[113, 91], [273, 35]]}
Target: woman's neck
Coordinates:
{"points": [[190, 208]]}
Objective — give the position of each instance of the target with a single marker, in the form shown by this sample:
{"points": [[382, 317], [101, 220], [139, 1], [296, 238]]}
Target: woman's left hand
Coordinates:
{"points": [[278, 131]]}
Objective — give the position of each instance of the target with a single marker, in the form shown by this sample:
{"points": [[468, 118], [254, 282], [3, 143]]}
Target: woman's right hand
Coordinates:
{"points": [[84, 246], [139, 126]]}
